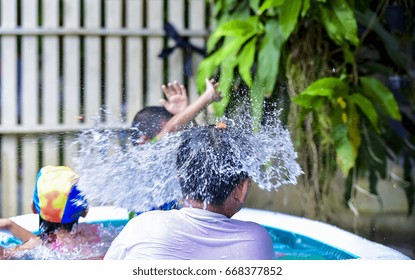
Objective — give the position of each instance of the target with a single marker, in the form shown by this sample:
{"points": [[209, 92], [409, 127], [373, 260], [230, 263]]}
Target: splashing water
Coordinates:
{"points": [[77, 249], [114, 172]]}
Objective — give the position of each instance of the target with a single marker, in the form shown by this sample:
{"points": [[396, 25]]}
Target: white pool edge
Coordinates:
{"points": [[325, 233]]}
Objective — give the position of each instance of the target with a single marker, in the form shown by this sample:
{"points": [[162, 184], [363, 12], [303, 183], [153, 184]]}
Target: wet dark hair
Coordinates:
{"points": [[208, 164], [148, 122], [47, 228]]}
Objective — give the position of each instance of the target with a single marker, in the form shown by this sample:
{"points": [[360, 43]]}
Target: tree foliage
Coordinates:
{"points": [[328, 57]]}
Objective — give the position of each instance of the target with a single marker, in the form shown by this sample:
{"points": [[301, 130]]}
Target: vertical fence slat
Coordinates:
{"points": [[70, 149], [134, 60], [50, 66], [30, 77], [50, 82], [8, 65], [30, 87], [50, 152], [176, 18], [154, 47], [92, 62], [9, 175], [197, 12], [30, 165], [8, 110], [196, 22], [71, 67], [113, 70]]}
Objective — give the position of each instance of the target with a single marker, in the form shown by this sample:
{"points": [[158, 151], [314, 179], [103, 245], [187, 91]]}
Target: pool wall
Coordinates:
{"points": [[325, 233]]}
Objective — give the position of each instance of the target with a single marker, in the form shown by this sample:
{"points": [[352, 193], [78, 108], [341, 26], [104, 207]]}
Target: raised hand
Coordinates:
{"points": [[176, 95], [211, 89]]}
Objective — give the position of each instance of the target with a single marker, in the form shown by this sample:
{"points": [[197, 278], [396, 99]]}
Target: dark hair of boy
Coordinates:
{"points": [[46, 228], [148, 122], [208, 150]]}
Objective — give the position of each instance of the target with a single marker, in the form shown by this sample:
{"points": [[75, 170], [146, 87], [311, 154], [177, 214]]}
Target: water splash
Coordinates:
{"points": [[77, 248], [114, 172]]}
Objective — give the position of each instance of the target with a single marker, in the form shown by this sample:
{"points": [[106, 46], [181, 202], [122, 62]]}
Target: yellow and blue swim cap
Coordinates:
{"points": [[56, 197]]}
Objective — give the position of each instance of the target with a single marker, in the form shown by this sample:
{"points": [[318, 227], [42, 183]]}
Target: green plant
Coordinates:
{"points": [[311, 51]]}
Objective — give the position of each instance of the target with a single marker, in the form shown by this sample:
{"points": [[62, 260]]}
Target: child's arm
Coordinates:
{"points": [[177, 121], [18, 231], [10, 253]]}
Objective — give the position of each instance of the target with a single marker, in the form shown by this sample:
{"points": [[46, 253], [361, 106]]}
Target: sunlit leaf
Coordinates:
{"points": [[310, 101], [254, 4], [205, 70], [209, 64], [305, 8], [226, 79], [289, 17], [270, 4], [339, 21], [237, 28], [269, 57], [246, 59], [329, 87]]}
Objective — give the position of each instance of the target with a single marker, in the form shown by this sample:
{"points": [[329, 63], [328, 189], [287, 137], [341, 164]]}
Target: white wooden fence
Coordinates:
{"points": [[61, 60]]}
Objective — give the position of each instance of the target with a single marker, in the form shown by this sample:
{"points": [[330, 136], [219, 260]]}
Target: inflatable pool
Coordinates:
{"points": [[294, 237]]}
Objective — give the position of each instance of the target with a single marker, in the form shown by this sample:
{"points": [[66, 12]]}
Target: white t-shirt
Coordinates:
{"points": [[190, 233]]}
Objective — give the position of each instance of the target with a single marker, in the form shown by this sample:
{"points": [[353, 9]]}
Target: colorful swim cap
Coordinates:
{"points": [[56, 197]]}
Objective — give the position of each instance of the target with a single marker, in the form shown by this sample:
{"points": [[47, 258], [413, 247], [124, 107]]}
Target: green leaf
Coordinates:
{"points": [[310, 101], [226, 79], [367, 108], [347, 19], [212, 41], [325, 125], [270, 4], [269, 57], [348, 54], [231, 46], [289, 17], [306, 8], [353, 130], [237, 28], [257, 101], [381, 95], [230, 10], [267, 69], [217, 8], [339, 22], [328, 87], [254, 4], [345, 154], [205, 70], [246, 60]]}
